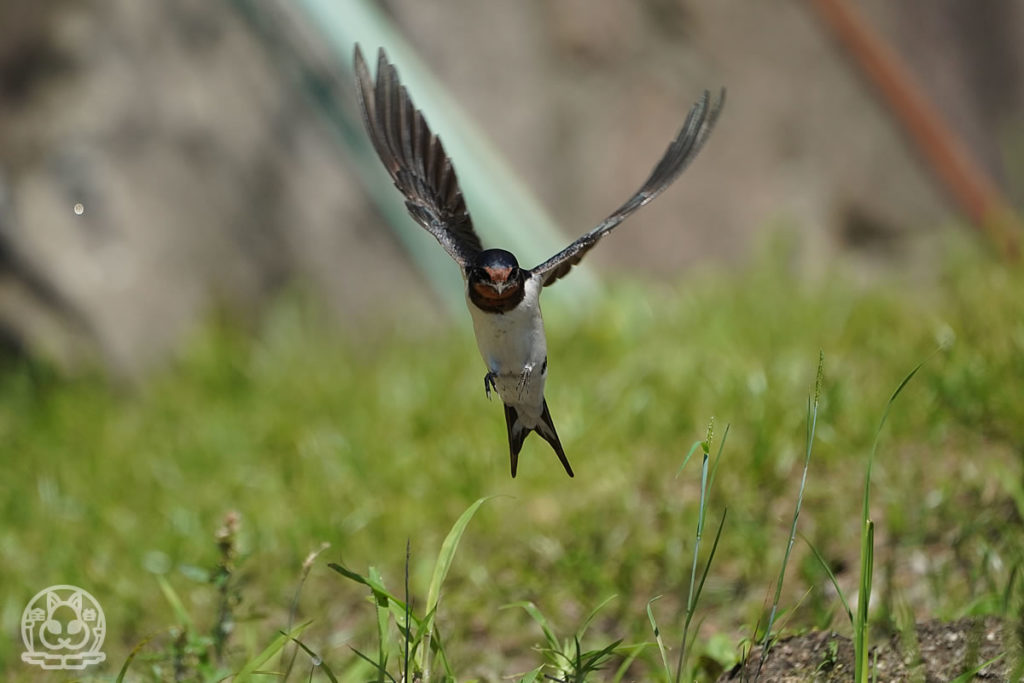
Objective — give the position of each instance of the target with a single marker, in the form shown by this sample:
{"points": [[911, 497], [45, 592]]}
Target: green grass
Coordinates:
{"points": [[311, 437]]}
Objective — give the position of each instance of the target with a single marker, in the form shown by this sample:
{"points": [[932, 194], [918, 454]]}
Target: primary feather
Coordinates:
{"points": [[415, 159], [695, 131]]}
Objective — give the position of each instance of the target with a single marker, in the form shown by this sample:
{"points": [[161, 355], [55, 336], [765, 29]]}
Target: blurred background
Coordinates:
{"points": [[217, 321], [205, 145]]}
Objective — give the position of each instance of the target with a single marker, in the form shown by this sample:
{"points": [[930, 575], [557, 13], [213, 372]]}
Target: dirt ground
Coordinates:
{"points": [[937, 652]]}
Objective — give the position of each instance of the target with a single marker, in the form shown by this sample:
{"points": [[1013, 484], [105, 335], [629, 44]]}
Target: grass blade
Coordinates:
{"points": [[438, 646], [711, 555], [701, 508], [307, 566], [689, 454], [532, 676], [683, 651], [812, 421], [695, 587], [405, 659], [132, 655], [831, 577], [441, 567], [254, 664], [448, 548], [382, 603], [860, 623], [658, 639], [628, 660], [593, 660], [541, 620], [593, 613], [412, 635], [867, 545], [968, 676], [175, 602], [317, 660], [381, 672], [878, 434], [375, 586]]}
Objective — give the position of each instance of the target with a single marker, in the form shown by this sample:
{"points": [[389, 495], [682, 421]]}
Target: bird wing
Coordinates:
{"points": [[415, 158], [695, 131]]}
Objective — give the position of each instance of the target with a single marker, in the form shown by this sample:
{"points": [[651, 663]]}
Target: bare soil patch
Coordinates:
{"points": [[937, 652]]}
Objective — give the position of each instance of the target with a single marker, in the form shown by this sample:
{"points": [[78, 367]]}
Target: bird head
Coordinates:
{"points": [[495, 274]]}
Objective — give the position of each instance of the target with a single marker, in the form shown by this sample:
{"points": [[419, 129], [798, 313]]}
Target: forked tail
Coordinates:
{"points": [[517, 433]]}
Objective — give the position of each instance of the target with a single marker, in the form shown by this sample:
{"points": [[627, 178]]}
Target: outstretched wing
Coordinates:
{"points": [[695, 131], [415, 158]]}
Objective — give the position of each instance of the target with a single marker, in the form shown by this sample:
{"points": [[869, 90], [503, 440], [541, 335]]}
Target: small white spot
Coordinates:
{"points": [[79, 208], [945, 336]]}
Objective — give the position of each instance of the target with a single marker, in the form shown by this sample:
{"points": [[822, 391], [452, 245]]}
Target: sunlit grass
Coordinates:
{"points": [[311, 436]]}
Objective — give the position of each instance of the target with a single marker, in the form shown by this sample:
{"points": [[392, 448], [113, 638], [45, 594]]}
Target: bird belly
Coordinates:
{"points": [[513, 346]]}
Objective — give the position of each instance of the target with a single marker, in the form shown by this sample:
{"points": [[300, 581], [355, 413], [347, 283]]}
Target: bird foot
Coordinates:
{"points": [[489, 384], [524, 377]]}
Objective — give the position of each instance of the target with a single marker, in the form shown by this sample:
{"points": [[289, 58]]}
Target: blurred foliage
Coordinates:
{"points": [[313, 434]]}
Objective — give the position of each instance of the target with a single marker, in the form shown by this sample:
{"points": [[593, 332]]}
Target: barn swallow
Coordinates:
{"points": [[503, 297]]}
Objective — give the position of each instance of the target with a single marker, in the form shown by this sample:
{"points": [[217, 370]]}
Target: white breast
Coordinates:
{"points": [[513, 347]]}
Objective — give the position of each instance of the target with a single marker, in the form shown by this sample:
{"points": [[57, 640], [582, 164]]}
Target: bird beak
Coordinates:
{"points": [[499, 279]]}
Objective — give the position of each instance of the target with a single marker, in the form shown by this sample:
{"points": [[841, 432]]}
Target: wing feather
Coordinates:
{"points": [[695, 131], [415, 159]]}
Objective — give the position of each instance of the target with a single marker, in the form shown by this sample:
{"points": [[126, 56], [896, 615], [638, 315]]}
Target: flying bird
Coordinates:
{"points": [[502, 296]]}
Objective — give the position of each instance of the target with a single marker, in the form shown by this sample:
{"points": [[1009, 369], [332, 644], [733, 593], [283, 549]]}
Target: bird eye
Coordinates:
{"points": [[514, 273]]}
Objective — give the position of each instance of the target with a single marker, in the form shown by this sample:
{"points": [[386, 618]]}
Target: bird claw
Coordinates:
{"points": [[524, 377]]}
